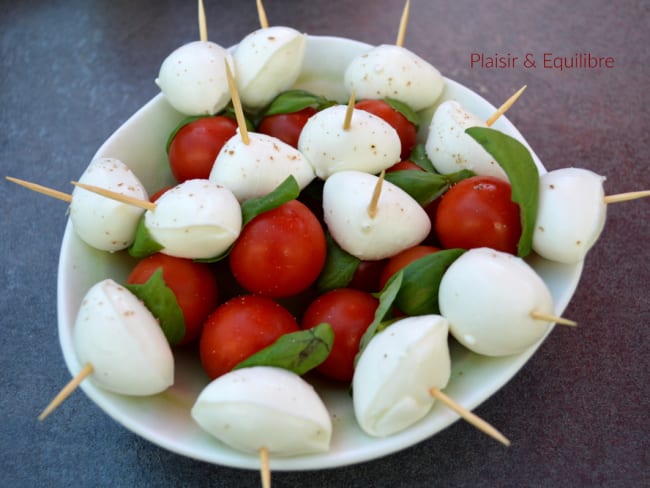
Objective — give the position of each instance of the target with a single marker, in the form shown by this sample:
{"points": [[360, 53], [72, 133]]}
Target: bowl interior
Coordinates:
{"points": [[164, 419]]}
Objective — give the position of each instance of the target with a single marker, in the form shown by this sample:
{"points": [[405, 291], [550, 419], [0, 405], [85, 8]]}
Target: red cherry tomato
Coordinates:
{"points": [[194, 285], [159, 193], [479, 212], [286, 127], [349, 312], [280, 252], [239, 328], [406, 130], [366, 276], [404, 165], [402, 259], [196, 145]]}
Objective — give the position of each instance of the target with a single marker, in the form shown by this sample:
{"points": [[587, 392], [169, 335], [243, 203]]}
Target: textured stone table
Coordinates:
{"points": [[577, 413]]}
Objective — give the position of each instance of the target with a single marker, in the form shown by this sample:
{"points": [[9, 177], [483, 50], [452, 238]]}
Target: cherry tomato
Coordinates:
{"points": [[404, 165], [479, 212], [196, 145], [239, 328], [159, 193], [406, 130], [349, 312], [280, 252], [366, 276], [194, 285], [402, 259], [286, 127]]}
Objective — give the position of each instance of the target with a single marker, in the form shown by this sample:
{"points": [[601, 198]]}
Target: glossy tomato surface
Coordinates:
{"points": [[194, 285], [286, 127], [239, 328], [478, 212], [349, 312], [280, 252], [196, 145]]}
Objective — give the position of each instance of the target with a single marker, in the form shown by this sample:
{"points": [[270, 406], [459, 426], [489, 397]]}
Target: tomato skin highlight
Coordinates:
{"points": [[406, 130], [286, 127], [403, 259], [479, 212], [349, 312], [196, 145], [194, 284], [239, 328], [280, 252]]}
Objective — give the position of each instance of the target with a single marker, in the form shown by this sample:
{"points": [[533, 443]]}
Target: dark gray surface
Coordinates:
{"points": [[577, 413]]}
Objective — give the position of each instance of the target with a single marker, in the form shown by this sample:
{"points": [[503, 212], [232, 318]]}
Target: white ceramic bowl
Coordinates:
{"points": [[165, 419]]}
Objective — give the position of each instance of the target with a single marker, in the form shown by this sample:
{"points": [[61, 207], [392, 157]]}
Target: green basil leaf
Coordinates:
{"points": [[162, 303], [419, 157], [295, 100], [339, 268], [418, 294], [298, 351], [143, 245], [423, 186], [403, 108], [517, 162], [286, 191], [386, 298]]}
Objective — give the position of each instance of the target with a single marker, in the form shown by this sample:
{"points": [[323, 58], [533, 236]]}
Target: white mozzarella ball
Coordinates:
{"points": [[395, 372], [193, 78], [257, 168], [102, 222], [399, 223], [123, 342], [489, 298], [450, 149], [197, 219], [571, 214], [264, 407], [370, 144], [390, 71], [268, 62]]}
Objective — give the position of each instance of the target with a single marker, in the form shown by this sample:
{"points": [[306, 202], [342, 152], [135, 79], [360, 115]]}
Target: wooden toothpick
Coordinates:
{"points": [[66, 197], [506, 105], [203, 29], [470, 417], [67, 390], [261, 13], [552, 318], [624, 197], [136, 202], [265, 470], [236, 103], [347, 121], [374, 202], [401, 33]]}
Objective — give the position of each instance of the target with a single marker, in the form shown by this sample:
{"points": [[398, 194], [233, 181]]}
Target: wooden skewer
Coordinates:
{"points": [[552, 318], [67, 390], [470, 417], [624, 197], [236, 103], [136, 202], [265, 470], [66, 197], [261, 13], [347, 121], [372, 207], [401, 33], [506, 105], [203, 29]]}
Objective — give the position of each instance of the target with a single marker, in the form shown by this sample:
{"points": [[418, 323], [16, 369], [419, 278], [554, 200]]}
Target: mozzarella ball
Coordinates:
{"points": [[268, 62], [263, 406], [123, 342], [197, 219], [395, 372], [370, 144], [102, 222], [257, 168], [399, 223], [390, 71], [489, 297], [193, 78], [571, 214], [450, 149]]}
